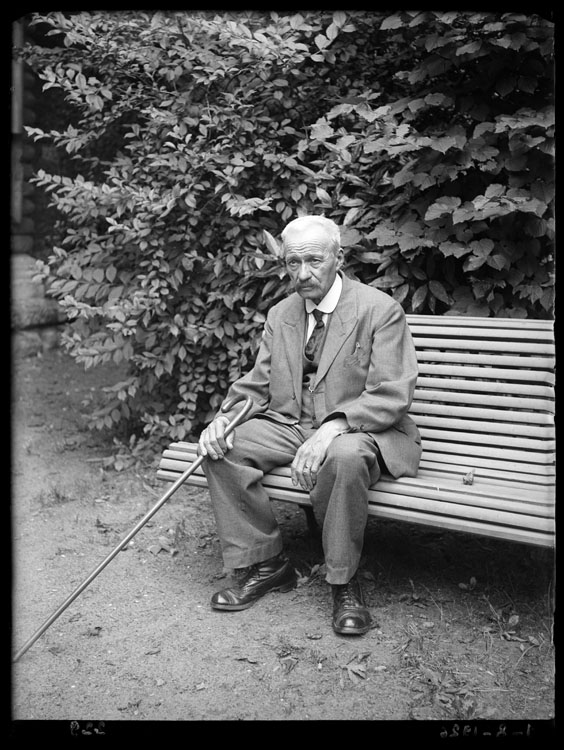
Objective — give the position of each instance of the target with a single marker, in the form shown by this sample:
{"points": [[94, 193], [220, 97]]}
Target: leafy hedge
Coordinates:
{"points": [[195, 137]]}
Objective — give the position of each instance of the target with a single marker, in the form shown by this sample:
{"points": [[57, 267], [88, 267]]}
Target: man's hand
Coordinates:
{"points": [[311, 454], [213, 442]]}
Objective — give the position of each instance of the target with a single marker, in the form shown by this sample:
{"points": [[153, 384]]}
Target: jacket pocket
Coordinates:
{"points": [[356, 359]]}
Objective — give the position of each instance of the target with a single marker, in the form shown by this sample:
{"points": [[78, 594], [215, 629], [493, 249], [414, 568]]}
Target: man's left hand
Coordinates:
{"points": [[312, 452]]}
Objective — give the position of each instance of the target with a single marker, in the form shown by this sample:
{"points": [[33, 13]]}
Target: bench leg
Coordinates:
{"points": [[312, 525]]}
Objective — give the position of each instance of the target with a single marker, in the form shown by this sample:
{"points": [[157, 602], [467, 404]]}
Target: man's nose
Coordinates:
{"points": [[304, 272]]}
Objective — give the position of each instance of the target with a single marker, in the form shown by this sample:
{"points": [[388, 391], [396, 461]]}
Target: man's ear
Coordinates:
{"points": [[340, 259]]}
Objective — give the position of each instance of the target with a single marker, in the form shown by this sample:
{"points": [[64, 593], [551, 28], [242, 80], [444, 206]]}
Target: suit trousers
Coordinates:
{"points": [[246, 524]]}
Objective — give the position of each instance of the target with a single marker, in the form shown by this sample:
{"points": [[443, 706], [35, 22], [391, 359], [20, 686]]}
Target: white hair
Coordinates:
{"points": [[330, 229]]}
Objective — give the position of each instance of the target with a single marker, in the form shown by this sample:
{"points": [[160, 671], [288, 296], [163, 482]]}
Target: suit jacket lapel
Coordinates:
{"points": [[343, 321], [293, 334]]}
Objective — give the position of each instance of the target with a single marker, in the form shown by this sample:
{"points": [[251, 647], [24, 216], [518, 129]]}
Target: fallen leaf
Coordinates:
{"points": [[154, 650], [356, 672], [93, 631], [356, 667], [513, 621], [469, 478], [361, 656], [288, 663], [167, 545], [160, 545], [201, 686], [431, 676]]}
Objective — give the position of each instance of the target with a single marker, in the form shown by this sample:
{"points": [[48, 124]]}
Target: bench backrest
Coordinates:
{"points": [[484, 400]]}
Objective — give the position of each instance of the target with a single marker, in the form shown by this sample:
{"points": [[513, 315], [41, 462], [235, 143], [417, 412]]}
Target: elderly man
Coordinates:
{"points": [[331, 386]]}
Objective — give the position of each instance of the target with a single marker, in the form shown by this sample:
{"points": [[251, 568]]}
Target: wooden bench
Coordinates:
{"points": [[484, 404]]}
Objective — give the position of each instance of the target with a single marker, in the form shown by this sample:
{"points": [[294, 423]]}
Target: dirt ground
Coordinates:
{"points": [[463, 629]]}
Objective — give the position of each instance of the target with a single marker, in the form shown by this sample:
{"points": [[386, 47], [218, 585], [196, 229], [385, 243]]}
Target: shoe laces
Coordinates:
{"points": [[349, 595]]}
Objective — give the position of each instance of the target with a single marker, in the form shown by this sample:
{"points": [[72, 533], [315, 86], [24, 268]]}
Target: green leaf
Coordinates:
{"points": [[437, 290], [454, 248], [350, 236], [401, 292], [442, 207], [339, 18], [419, 297], [272, 244], [321, 130], [469, 49], [322, 41], [323, 196], [480, 253], [392, 22]]}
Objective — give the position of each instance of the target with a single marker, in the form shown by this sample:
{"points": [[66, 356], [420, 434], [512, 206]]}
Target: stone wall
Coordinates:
{"points": [[35, 318]]}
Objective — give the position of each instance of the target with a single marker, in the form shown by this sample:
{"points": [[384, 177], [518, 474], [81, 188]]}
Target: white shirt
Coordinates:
{"points": [[327, 304]]}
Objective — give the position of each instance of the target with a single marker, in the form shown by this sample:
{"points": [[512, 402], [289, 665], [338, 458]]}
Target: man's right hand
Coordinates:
{"points": [[213, 442]]}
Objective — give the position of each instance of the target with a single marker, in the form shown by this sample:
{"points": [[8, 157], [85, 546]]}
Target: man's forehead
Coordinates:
{"points": [[307, 238]]}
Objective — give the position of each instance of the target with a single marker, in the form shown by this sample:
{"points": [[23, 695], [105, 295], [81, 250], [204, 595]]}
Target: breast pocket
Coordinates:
{"points": [[357, 359]]}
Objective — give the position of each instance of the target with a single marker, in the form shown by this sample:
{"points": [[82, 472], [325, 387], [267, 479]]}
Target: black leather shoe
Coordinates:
{"points": [[275, 574], [350, 615]]}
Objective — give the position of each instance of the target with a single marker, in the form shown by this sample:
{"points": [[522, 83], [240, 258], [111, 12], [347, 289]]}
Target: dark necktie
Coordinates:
{"points": [[316, 335]]}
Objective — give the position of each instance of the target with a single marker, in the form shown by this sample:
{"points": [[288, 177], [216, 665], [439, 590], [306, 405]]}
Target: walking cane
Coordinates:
{"points": [[230, 427]]}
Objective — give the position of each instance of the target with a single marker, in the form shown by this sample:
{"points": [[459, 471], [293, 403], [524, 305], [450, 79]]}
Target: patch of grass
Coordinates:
{"points": [[61, 493]]}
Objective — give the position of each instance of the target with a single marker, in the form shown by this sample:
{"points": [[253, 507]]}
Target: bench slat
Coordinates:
{"points": [[523, 365], [507, 337], [508, 450], [535, 473], [495, 400], [485, 428], [454, 472], [505, 441], [488, 387], [472, 321], [471, 345], [539, 423], [487, 374]]}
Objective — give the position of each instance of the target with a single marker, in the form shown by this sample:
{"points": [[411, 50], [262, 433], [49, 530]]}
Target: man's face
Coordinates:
{"points": [[311, 264]]}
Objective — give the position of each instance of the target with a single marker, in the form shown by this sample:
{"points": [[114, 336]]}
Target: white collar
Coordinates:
{"points": [[329, 302]]}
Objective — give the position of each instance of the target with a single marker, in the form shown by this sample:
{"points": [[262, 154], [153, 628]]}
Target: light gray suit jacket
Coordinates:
{"points": [[367, 371]]}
